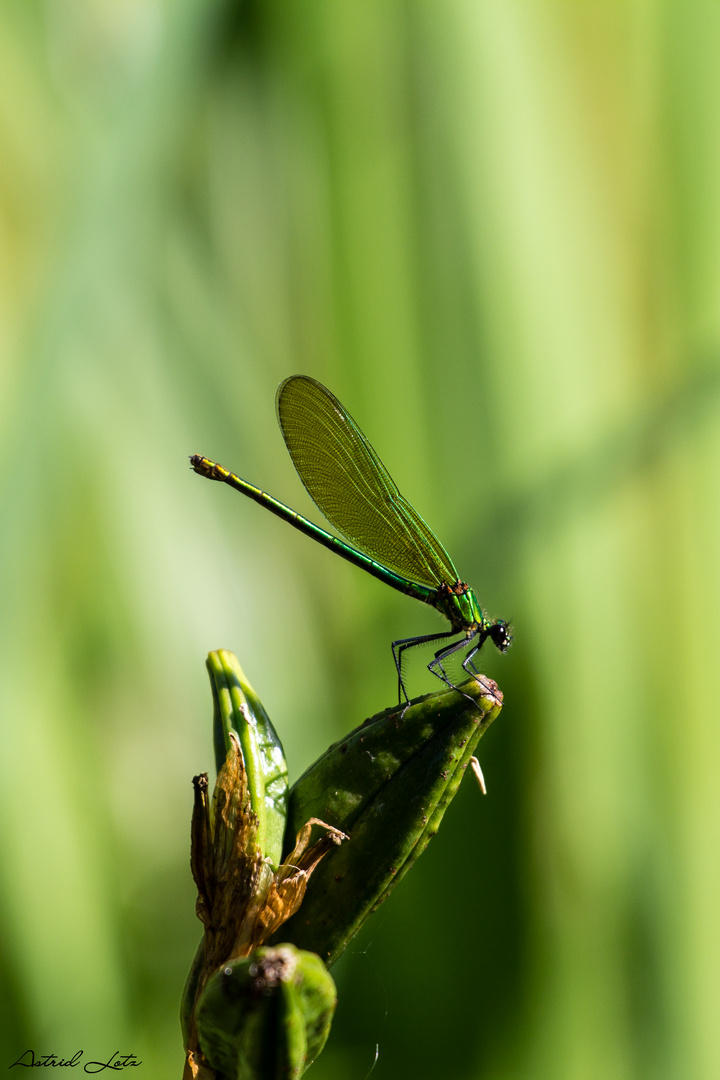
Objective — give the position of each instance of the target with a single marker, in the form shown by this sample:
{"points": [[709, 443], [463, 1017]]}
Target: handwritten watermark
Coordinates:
{"points": [[118, 1061]]}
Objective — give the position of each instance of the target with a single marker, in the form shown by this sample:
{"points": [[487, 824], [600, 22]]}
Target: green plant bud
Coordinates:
{"points": [[387, 785], [242, 900], [237, 708], [267, 1016]]}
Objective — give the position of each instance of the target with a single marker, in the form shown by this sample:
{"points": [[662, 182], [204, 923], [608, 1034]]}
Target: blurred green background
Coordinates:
{"points": [[492, 228]]}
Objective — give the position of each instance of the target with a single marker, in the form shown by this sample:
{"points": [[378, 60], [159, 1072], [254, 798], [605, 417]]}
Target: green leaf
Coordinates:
{"points": [[387, 785]]}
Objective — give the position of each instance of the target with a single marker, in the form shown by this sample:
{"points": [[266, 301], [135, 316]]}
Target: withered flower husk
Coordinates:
{"points": [[241, 900]]}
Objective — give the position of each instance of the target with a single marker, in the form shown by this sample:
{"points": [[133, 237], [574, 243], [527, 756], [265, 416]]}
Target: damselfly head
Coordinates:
{"points": [[500, 635]]}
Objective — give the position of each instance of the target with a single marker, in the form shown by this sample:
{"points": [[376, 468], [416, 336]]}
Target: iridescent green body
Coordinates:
{"points": [[458, 603], [348, 482]]}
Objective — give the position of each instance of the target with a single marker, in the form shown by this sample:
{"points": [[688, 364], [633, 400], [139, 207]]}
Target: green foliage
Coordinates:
{"points": [[492, 230], [388, 784]]}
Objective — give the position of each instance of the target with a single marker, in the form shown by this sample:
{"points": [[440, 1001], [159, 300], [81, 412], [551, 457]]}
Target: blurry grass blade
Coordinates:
{"points": [[237, 708], [388, 785]]}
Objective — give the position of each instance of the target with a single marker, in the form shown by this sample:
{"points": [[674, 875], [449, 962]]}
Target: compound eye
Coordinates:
{"points": [[500, 635]]}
